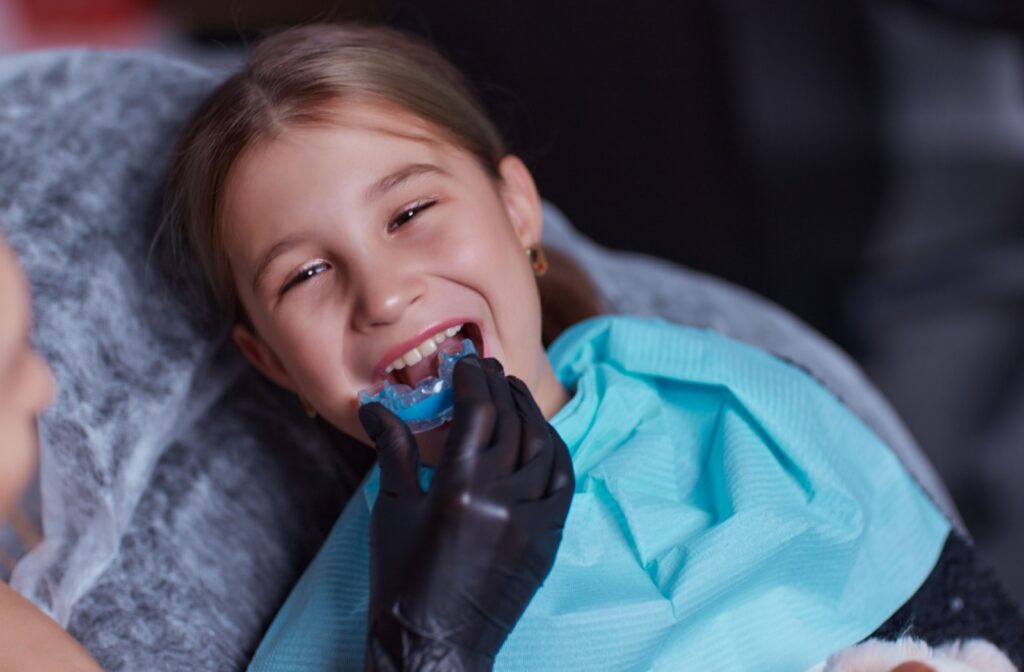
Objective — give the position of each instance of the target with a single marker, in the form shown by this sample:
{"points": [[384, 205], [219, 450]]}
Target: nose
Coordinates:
{"points": [[384, 291]]}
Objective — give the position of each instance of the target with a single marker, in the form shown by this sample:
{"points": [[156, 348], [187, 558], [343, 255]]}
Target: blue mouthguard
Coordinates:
{"points": [[428, 405]]}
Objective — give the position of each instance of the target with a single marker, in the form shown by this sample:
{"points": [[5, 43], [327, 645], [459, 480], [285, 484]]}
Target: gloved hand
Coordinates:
{"points": [[453, 568]]}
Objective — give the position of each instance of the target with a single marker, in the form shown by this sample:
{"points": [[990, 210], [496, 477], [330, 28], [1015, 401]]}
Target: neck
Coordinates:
{"points": [[550, 395]]}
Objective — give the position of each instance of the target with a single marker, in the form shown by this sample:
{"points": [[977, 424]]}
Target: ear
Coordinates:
{"points": [[522, 202], [261, 356]]}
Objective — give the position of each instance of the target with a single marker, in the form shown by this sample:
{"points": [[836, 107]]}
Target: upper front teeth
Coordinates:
{"points": [[424, 349]]}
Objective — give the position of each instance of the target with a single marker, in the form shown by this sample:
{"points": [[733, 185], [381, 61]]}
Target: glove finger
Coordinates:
{"points": [[528, 407], [536, 451], [397, 452], [473, 416], [549, 513], [563, 479], [562, 476], [506, 422]]}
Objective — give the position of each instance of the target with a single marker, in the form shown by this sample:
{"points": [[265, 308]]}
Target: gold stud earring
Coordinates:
{"points": [[538, 260], [308, 407]]}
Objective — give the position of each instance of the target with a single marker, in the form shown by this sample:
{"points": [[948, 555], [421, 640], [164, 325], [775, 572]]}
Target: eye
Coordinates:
{"points": [[408, 213], [305, 273]]}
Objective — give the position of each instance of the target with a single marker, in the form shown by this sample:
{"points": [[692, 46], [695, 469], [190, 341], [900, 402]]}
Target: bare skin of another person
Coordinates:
{"points": [[29, 639]]}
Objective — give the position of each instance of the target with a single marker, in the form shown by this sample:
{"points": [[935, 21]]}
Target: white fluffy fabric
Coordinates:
{"points": [[974, 655]]}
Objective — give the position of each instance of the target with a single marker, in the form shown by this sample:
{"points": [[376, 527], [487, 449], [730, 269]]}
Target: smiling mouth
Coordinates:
{"points": [[422, 361]]}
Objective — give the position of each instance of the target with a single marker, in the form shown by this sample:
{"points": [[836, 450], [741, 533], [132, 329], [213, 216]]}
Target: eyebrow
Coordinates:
{"points": [[276, 250], [392, 180]]}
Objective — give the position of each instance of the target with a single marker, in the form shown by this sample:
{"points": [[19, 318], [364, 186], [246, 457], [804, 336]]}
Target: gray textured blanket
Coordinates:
{"points": [[182, 495]]}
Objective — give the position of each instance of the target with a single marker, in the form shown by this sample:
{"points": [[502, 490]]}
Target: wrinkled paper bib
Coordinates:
{"points": [[730, 514]]}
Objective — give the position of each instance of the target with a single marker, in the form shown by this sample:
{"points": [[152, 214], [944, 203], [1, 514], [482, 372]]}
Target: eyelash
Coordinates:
{"points": [[408, 213], [304, 274], [400, 220]]}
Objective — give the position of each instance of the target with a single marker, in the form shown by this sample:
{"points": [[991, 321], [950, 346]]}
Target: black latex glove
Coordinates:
{"points": [[452, 569]]}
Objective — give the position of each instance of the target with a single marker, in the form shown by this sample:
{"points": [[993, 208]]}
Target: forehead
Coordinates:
{"points": [[314, 177], [355, 139], [303, 165]]}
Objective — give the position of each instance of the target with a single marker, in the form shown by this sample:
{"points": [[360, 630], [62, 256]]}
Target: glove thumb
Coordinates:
{"points": [[397, 451]]}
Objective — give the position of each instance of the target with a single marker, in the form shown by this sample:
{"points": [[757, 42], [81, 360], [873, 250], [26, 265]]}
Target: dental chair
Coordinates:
{"points": [[182, 495]]}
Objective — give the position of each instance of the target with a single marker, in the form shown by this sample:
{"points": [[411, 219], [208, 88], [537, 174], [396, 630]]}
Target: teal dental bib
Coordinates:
{"points": [[729, 514]]}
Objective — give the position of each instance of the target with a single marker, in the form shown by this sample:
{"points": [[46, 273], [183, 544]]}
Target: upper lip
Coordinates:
{"points": [[397, 351]]}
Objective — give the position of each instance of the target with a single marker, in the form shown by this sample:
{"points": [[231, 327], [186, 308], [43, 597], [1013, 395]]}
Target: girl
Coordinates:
{"points": [[29, 640], [350, 205]]}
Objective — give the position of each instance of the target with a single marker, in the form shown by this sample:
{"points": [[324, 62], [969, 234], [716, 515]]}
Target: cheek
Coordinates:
{"points": [[24, 396], [503, 277], [42, 386], [18, 457], [487, 256], [313, 351], [309, 341]]}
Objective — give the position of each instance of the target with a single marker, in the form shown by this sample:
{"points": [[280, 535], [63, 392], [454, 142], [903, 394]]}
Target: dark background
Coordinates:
{"points": [[860, 163]]}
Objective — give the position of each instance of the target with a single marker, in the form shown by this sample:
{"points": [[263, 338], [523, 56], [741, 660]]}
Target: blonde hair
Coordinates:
{"points": [[294, 78]]}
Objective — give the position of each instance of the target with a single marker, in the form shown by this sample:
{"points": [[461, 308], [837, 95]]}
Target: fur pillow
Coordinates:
{"points": [[911, 655]]}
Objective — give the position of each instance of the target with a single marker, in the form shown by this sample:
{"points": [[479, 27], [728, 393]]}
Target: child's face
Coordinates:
{"points": [[26, 385], [353, 242]]}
